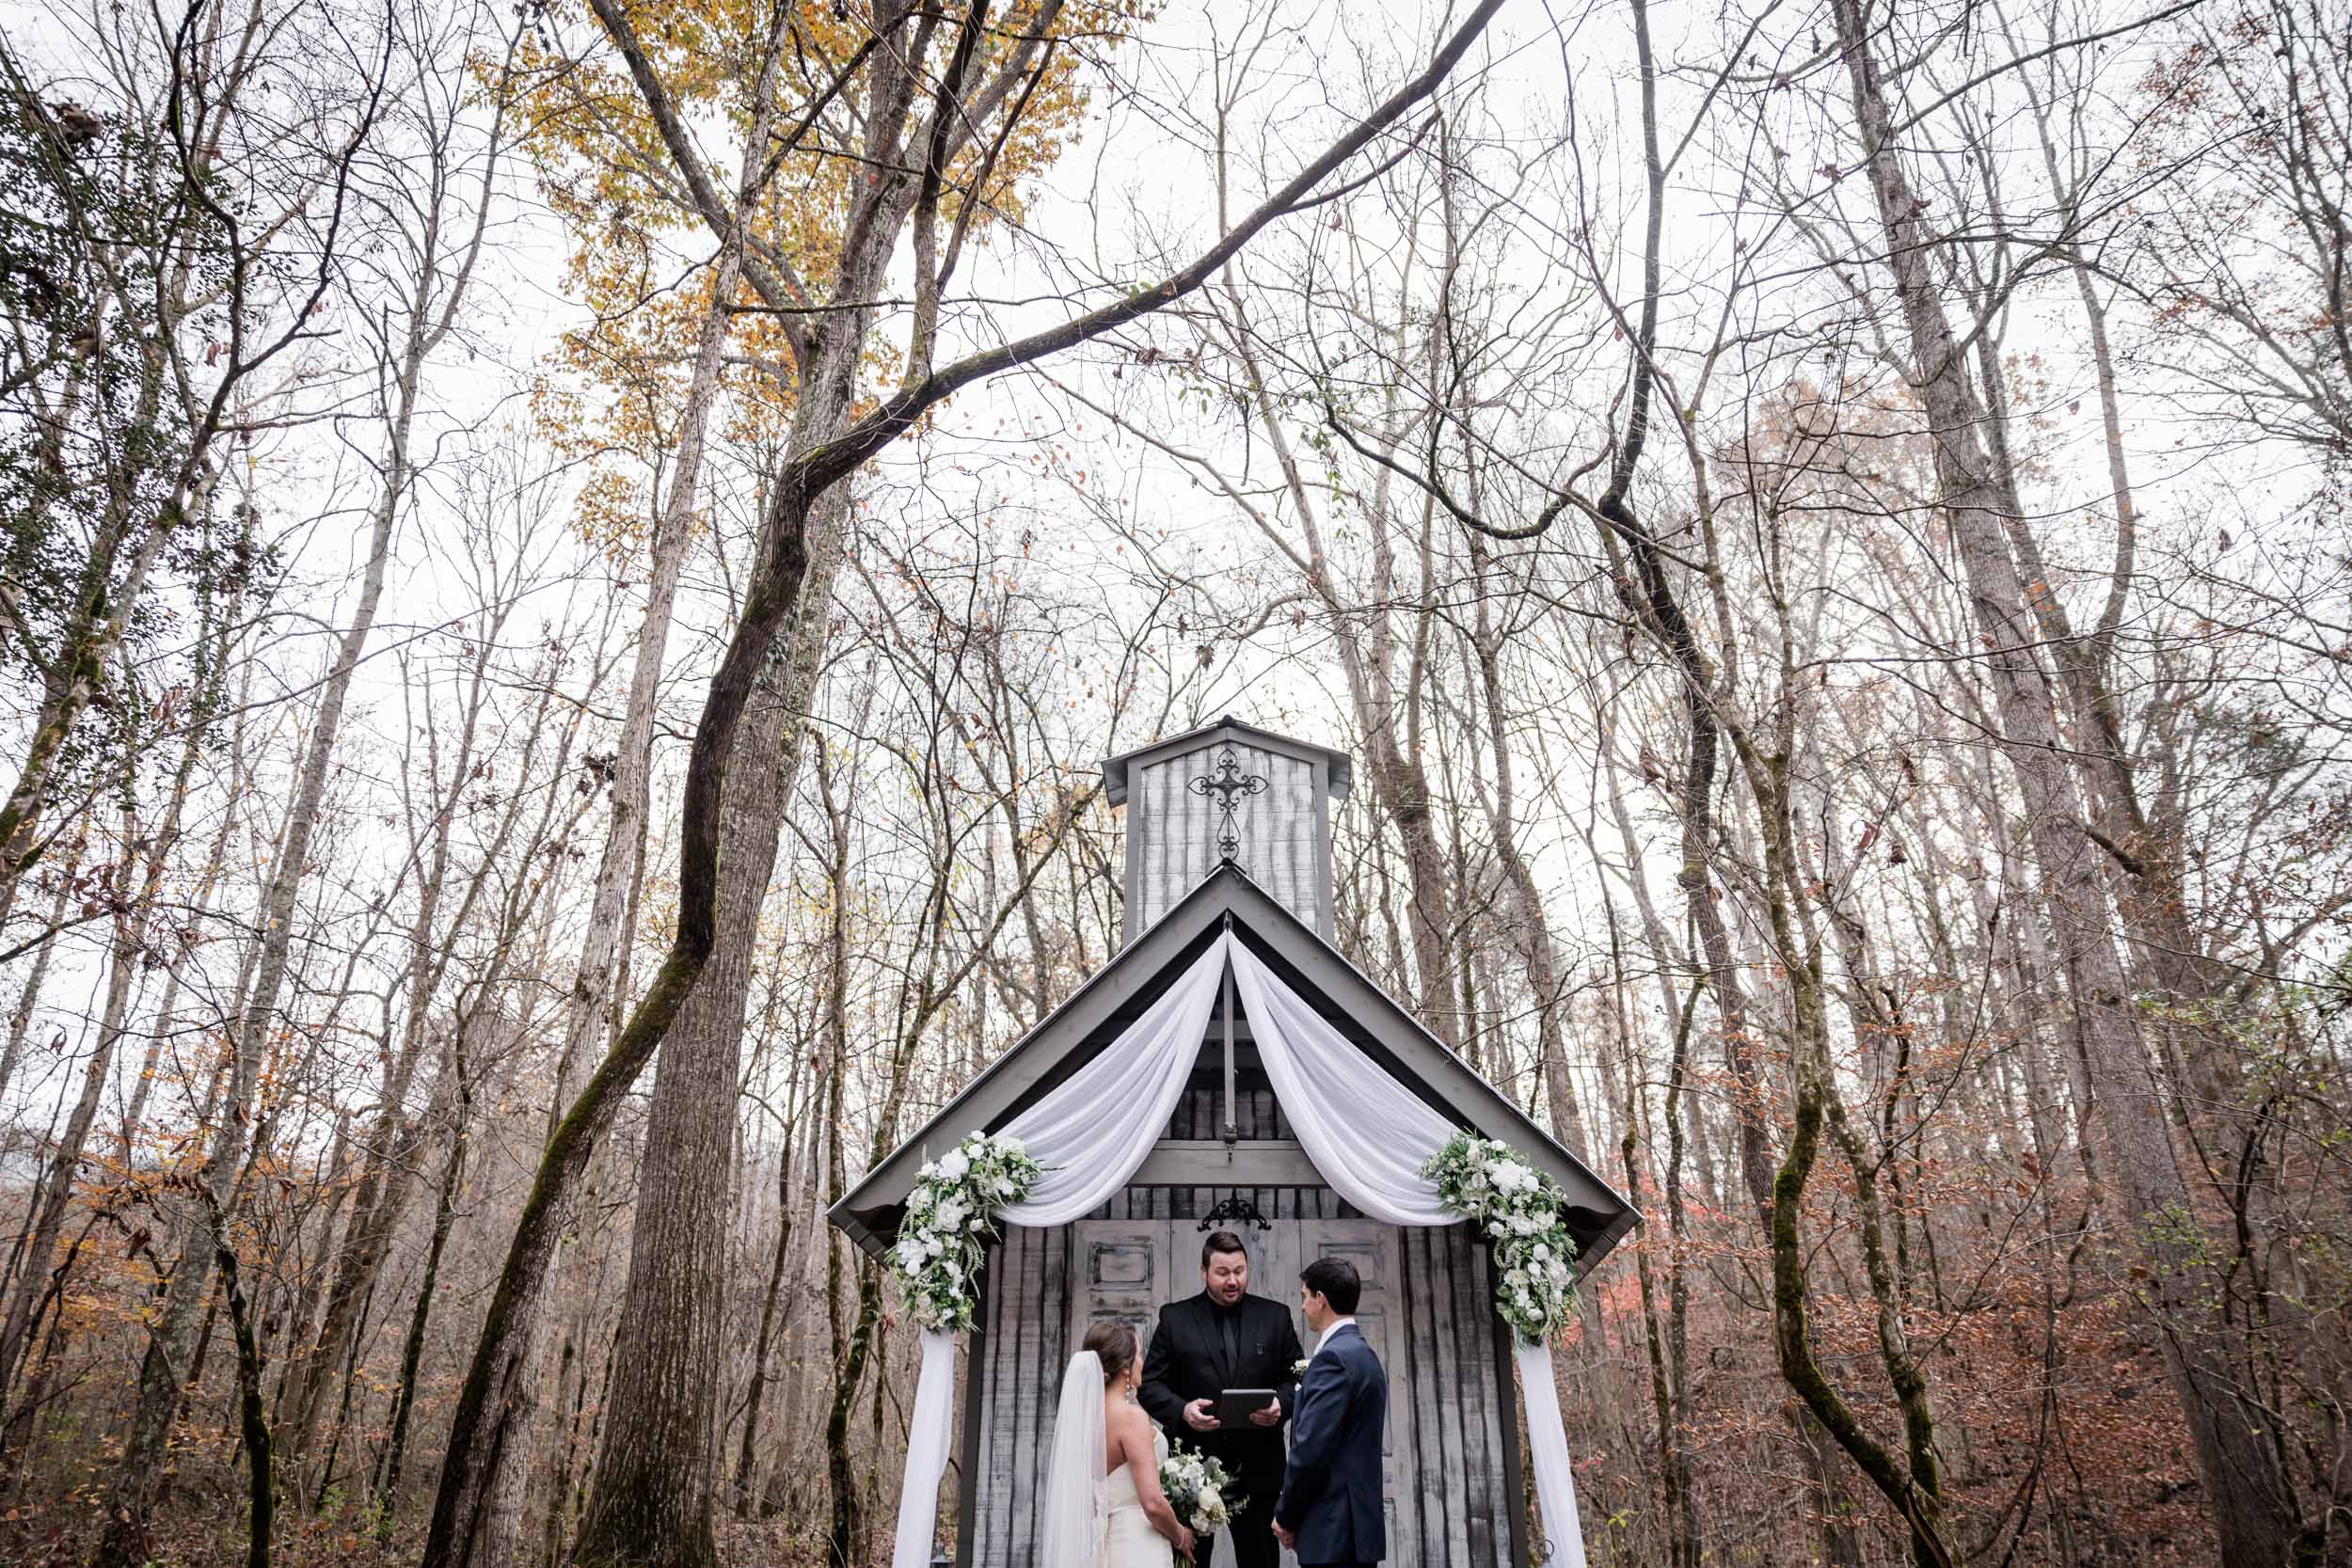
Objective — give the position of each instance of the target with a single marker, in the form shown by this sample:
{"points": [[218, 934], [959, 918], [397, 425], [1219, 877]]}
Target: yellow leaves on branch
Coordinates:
{"points": [[639, 257]]}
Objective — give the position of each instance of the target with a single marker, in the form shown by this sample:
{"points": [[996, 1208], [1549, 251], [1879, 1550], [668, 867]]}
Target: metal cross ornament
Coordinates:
{"points": [[1228, 784]]}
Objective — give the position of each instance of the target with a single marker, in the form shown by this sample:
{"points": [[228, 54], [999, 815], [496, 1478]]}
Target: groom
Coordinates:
{"points": [[1331, 1510], [1225, 1337]]}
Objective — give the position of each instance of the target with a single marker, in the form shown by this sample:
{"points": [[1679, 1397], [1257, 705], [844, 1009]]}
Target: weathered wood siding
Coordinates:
{"points": [[1172, 832], [1450, 1390]]}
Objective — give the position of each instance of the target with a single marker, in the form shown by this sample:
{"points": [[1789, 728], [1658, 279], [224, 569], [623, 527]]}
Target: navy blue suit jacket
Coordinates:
{"points": [[1332, 1492]]}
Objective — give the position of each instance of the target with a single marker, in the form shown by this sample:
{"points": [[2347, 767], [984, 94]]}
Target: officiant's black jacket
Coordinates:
{"points": [[1187, 1362]]}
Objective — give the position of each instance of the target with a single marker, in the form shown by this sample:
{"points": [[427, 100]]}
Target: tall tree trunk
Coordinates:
{"points": [[208, 886], [1530, 927], [2254, 1508], [252, 1420], [412, 1348], [848, 1343], [651, 1501], [1667, 1342]]}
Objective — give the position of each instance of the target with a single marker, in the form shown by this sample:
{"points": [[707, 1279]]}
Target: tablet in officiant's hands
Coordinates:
{"points": [[1234, 1407]]}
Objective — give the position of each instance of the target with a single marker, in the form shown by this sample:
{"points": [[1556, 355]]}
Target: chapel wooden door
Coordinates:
{"points": [[1127, 1269]]}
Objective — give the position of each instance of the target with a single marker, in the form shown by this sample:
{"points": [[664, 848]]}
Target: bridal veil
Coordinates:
{"points": [[1076, 1491]]}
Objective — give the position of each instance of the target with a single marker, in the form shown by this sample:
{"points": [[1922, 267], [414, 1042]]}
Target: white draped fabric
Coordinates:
{"points": [[930, 1426], [1366, 1134], [1095, 1128], [1547, 1454]]}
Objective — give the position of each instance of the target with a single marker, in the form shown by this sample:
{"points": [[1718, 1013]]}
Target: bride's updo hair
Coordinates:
{"points": [[1114, 1344]]}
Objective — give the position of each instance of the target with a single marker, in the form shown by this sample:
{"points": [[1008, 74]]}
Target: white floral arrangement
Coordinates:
{"points": [[1298, 1369], [1490, 1183], [951, 1215], [1200, 1490]]}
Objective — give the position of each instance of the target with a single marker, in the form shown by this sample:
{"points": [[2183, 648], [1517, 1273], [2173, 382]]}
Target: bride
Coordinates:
{"points": [[1103, 1506]]}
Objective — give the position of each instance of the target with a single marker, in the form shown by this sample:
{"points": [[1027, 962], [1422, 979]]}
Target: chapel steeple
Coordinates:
{"points": [[1228, 791]]}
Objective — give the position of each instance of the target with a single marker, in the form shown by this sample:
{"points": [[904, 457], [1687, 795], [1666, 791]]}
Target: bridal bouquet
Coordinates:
{"points": [[1197, 1490]]}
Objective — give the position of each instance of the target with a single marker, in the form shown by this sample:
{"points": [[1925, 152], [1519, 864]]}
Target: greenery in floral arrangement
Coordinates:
{"points": [[951, 1215], [1490, 1183]]}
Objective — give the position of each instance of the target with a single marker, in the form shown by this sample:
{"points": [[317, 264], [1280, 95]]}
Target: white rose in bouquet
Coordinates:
{"points": [[1196, 1487], [954, 1166]]}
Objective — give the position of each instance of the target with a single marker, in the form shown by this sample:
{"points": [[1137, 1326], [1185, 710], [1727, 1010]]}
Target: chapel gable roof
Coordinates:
{"points": [[1095, 1014]]}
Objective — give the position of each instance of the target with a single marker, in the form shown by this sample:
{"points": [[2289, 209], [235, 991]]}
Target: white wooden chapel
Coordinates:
{"points": [[1195, 869]]}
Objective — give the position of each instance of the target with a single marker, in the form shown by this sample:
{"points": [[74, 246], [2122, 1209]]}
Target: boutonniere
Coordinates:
{"points": [[1298, 1369]]}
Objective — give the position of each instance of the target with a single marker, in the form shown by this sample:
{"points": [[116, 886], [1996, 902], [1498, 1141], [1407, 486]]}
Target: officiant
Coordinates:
{"points": [[1227, 1339]]}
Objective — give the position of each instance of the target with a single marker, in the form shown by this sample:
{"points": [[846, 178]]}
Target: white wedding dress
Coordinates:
{"points": [[1093, 1520], [1132, 1542]]}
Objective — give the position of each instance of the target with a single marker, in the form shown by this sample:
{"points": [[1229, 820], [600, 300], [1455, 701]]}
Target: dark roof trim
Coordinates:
{"points": [[1339, 765], [1396, 1040]]}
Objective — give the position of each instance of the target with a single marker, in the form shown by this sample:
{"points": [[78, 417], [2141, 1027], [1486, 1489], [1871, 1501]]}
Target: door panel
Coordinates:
{"points": [[1119, 1269]]}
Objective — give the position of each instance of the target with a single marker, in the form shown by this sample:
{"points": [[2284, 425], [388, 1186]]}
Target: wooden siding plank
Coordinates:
{"points": [[1486, 1483], [1515, 1500], [1259, 1162], [1062, 1285], [1455, 1376], [1413, 1266], [995, 1506], [1262, 1116], [1028, 1332], [974, 1422]]}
